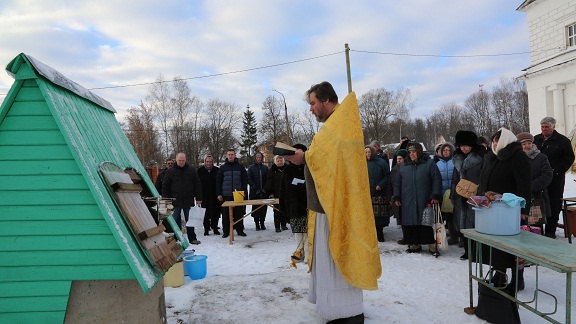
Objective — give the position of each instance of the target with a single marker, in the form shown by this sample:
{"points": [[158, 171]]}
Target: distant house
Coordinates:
{"points": [[62, 231], [551, 76]]}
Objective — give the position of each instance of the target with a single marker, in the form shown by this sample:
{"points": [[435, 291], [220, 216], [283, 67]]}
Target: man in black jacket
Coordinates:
{"points": [[257, 174], [231, 176], [160, 177], [182, 183], [558, 149], [207, 174]]}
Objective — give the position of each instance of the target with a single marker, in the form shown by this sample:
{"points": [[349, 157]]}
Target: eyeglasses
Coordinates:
{"points": [[170, 163]]}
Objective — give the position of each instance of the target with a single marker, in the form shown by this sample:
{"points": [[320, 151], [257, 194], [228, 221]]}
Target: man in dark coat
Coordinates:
{"points": [[231, 176], [160, 177], [182, 183], [558, 149], [257, 174], [207, 174]]}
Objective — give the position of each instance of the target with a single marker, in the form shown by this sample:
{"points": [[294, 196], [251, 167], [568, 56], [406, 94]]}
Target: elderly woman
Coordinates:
{"points": [[446, 167], [468, 158], [417, 184], [507, 169], [378, 175], [273, 184]]}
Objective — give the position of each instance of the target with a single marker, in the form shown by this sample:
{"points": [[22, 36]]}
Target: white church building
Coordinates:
{"points": [[551, 77]]}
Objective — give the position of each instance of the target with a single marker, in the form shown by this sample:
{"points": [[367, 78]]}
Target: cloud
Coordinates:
{"points": [[114, 43]]}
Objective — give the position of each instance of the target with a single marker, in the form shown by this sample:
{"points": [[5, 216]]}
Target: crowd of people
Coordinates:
{"points": [[401, 186]]}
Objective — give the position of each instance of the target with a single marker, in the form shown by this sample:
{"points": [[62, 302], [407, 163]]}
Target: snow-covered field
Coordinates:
{"points": [[251, 282]]}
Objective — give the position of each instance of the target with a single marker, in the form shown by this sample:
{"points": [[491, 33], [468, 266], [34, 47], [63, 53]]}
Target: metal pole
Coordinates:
{"points": [[288, 137], [347, 50]]}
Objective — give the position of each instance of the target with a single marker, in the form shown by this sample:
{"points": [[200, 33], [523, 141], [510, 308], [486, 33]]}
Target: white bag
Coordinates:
{"points": [[196, 216], [440, 230]]}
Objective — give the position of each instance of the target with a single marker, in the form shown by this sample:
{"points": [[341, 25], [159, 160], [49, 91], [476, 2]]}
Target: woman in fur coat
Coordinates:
{"points": [[468, 159]]}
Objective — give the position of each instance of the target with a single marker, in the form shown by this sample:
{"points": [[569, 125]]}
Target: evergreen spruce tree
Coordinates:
{"points": [[249, 135]]}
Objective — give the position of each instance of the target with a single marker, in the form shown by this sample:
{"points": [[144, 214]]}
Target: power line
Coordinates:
{"points": [[439, 55], [303, 60], [220, 74]]}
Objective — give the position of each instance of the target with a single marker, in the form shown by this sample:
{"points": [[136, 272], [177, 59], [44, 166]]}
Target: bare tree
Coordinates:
{"points": [[142, 134], [304, 127], [273, 124], [219, 124], [377, 108], [479, 111], [159, 99]]}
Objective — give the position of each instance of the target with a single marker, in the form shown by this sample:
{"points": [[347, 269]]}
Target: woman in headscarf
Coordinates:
{"points": [[417, 185], [446, 167], [378, 176], [506, 170], [468, 158]]}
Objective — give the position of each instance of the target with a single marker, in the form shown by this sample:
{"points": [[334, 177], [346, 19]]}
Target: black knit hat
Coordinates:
{"points": [[464, 137], [300, 146]]}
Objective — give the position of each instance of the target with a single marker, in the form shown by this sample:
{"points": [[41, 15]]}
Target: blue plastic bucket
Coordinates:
{"points": [[498, 219], [195, 266], [185, 254]]}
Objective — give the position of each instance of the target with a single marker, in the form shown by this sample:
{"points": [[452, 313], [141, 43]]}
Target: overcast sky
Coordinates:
{"points": [[239, 51]]}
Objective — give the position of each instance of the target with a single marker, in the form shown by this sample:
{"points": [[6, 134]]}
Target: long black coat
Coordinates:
{"points": [[274, 180], [508, 172], [183, 184], [293, 196], [208, 182]]}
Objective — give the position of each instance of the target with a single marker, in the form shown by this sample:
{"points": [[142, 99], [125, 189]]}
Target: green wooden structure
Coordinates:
{"points": [[58, 222]]}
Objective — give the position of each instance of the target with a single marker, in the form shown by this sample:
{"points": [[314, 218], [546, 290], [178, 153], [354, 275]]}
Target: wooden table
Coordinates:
{"points": [[567, 202], [538, 249], [256, 202]]}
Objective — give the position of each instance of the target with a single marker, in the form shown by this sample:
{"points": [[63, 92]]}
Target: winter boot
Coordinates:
{"points": [[380, 233], [262, 224], [519, 279], [257, 225]]}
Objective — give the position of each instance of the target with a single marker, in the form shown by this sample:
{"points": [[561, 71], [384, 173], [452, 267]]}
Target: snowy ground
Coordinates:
{"points": [[251, 282]]}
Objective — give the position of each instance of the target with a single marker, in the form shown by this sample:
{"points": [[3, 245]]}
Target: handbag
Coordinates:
{"points": [[428, 216], [380, 207], [537, 214], [196, 216], [493, 307], [440, 231], [466, 188], [447, 206]]}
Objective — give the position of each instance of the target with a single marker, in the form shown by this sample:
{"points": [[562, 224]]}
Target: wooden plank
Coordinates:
{"points": [[13, 165], [51, 212], [19, 123], [46, 197], [78, 272], [42, 137], [37, 152], [55, 227], [78, 241], [34, 288], [33, 317], [34, 304], [151, 232], [30, 108], [58, 257], [42, 182], [126, 187]]}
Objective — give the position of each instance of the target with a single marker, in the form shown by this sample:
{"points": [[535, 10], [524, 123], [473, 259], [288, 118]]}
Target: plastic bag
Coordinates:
{"points": [[441, 241], [428, 216], [196, 216]]}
